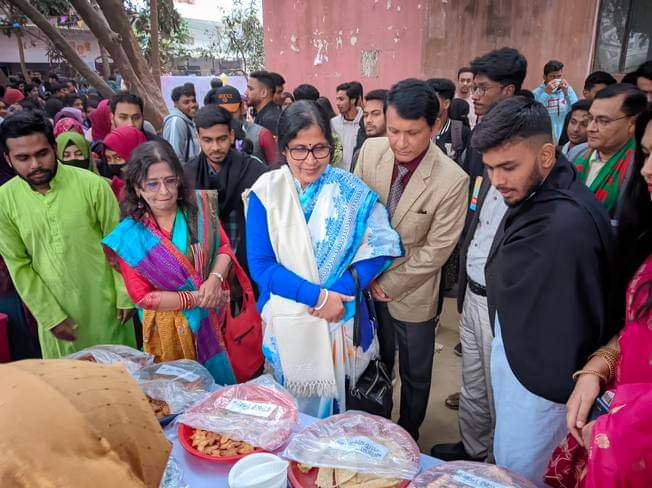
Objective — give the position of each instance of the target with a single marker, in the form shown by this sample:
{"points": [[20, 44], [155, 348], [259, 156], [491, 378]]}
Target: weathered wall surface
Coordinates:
{"points": [[459, 30], [325, 42], [379, 42]]}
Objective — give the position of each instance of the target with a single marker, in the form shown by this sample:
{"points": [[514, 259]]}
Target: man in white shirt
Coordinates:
{"points": [[347, 124], [464, 84]]}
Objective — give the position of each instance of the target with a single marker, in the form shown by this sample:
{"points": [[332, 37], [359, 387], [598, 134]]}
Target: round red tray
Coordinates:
{"points": [[299, 479], [185, 432]]}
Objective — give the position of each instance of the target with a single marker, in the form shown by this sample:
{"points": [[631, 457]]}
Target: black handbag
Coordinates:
{"points": [[373, 391]]}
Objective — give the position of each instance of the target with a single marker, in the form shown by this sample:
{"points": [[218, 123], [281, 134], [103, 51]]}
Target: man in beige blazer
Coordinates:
{"points": [[426, 195]]}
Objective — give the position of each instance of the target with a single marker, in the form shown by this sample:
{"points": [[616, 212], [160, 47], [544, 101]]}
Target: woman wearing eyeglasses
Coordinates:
{"points": [[174, 256], [308, 225]]}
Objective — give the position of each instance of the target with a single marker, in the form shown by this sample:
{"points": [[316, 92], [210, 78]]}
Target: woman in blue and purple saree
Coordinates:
{"points": [[173, 255]]}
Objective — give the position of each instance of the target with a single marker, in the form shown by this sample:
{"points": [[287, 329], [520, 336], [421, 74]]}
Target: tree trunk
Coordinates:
{"points": [[62, 45], [125, 51], [106, 66], [154, 36], [21, 53], [4, 79]]}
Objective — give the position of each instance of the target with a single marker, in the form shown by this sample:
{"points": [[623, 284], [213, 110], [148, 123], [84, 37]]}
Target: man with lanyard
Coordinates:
{"points": [[222, 168], [497, 76], [604, 167]]}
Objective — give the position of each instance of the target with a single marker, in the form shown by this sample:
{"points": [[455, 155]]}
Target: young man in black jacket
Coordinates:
{"points": [[221, 167]]}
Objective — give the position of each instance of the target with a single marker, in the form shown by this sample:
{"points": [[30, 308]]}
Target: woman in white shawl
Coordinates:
{"points": [[308, 224]]}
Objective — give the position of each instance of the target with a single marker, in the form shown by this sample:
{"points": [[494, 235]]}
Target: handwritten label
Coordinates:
{"points": [[363, 446], [246, 407], [167, 370], [476, 481]]}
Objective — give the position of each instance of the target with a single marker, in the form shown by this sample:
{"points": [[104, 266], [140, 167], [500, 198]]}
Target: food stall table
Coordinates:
{"points": [[198, 473]]}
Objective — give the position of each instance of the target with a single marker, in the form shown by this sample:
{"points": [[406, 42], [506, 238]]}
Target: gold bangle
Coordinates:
{"points": [[579, 373], [610, 355]]}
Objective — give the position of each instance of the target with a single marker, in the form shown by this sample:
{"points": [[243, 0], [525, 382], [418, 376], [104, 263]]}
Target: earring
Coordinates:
{"points": [[140, 204]]}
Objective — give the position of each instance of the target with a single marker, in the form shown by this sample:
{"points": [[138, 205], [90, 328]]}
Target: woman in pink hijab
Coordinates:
{"points": [[118, 146], [100, 121]]}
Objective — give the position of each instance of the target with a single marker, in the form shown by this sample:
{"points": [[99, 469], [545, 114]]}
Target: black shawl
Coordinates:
{"points": [[547, 277], [238, 173]]}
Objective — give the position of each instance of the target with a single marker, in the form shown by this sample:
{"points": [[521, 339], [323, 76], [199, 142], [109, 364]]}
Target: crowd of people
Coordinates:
{"points": [[532, 208]]}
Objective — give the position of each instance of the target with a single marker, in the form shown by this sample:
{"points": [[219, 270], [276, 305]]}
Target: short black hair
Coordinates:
{"points": [[506, 66], [264, 78], [379, 95], [305, 92], [635, 100], [514, 118], [552, 65], [69, 100], [211, 115], [583, 104], [28, 104], [25, 123], [52, 106], [124, 96], [459, 110], [413, 99], [277, 79], [357, 90], [216, 83], [55, 87], [299, 116], [598, 78], [443, 87], [464, 69], [524, 93], [54, 76], [354, 92], [187, 90], [74, 82], [91, 101], [645, 70], [325, 106], [630, 78]]}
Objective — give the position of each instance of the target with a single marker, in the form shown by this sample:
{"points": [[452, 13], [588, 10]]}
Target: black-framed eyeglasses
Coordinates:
{"points": [[318, 152]]}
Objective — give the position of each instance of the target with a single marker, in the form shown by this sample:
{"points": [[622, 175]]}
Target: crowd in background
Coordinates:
{"points": [[532, 208]]}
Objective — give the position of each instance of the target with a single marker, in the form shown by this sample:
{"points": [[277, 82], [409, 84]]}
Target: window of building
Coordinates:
{"points": [[624, 35]]}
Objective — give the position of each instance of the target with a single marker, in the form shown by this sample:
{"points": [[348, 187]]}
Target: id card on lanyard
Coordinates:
{"points": [[473, 206]]}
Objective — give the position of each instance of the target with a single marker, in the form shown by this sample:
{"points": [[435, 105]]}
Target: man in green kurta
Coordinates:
{"points": [[52, 219]]}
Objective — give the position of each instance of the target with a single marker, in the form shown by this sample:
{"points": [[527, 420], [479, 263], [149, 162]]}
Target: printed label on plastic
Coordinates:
{"points": [[364, 446], [246, 407], [475, 481], [167, 370]]}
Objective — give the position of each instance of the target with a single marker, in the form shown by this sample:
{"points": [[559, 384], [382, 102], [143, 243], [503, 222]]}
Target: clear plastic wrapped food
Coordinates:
{"points": [[465, 474], [260, 412], [133, 359], [174, 386], [357, 442]]}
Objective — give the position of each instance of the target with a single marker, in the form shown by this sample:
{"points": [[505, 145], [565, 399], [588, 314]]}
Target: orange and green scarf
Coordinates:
{"points": [[607, 184]]}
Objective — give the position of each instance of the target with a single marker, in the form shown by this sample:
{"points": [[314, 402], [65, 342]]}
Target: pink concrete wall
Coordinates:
{"points": [[322, 42]]}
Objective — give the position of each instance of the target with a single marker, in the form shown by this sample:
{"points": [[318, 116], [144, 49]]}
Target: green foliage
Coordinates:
{"points": [[173, 30], [239, 36]]}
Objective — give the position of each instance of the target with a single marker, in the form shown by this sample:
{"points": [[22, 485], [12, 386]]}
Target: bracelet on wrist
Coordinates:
{"points": [[319, 307], [579, 373], [219, 275]]}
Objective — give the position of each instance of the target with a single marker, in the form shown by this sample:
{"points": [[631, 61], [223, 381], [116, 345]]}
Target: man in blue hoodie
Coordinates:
{"points": [[556, 95]]}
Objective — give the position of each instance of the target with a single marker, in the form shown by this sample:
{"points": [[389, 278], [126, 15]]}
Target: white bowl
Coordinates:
{"points": [[260, 470]]}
